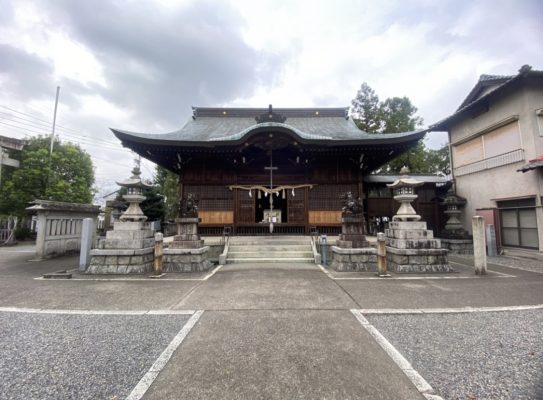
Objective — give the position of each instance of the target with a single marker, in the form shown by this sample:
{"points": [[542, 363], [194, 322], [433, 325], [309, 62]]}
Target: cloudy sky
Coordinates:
{"points": [[140, 65]]}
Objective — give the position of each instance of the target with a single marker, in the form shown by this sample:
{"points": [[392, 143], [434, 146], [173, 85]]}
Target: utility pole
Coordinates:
{"points": [[54, 124]]}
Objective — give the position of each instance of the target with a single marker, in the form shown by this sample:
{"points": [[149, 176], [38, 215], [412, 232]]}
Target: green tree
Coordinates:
{"points": [[394, 115], [67, 175], [153, 205], [167, 183], [398, 115], [366, 109], [422, 160]]}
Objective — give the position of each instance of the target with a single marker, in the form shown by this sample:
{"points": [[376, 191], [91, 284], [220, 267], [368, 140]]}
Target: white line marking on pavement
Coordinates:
{"points": [[143, 385], [494, 272], [420, 383], [450, 310], [145, 279], [410, 278], [96, 312]]}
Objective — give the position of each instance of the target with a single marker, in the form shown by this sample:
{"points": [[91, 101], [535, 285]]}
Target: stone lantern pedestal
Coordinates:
{"points": [[187, 234], [352, 233], [187, 253]]}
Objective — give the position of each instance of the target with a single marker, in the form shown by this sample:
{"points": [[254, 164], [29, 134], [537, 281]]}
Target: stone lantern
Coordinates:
{"points": [[134, 196], [455, 237], [129, 247], [454, 204], [410, 246], [404, 193]]}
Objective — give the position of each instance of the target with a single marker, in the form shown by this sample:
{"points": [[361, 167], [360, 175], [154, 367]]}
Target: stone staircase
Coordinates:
{"points": [[262, 249]]}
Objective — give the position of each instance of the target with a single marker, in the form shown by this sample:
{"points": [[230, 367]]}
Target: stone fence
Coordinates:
{"points": [[59, 226]]}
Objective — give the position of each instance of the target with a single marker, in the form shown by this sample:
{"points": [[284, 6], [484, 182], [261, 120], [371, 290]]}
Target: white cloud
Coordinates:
{"points": [[139, 66]]}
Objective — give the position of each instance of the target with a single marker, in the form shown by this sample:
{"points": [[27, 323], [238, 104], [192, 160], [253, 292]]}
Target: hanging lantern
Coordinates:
{"points": [[250, 193], [293, 194], [265, 194], [259, 194], [284, 194]]}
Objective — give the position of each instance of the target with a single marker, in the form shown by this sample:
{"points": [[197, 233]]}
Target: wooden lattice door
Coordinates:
{"points": [[245, 209], [296, 207]]}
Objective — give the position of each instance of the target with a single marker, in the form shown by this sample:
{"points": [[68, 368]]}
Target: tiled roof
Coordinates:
{"points": [[212, 125], [472, 101], [532, 164]]}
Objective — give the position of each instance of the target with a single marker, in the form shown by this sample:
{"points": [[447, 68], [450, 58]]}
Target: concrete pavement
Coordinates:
{"points": [[270, 331]]}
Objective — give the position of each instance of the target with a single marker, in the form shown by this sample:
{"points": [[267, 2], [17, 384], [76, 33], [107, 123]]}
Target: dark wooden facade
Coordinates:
{"points": [[318, 154]]}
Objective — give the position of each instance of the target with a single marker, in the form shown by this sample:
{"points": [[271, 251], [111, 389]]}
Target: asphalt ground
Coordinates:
{"points": [[485, 355], [282, 331], [64, 356]]}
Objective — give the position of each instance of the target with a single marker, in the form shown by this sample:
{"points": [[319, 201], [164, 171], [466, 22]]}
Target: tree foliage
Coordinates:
{"points": [[394, 115], [167, 183], [366, 109], [421, 160], [67, 175]]}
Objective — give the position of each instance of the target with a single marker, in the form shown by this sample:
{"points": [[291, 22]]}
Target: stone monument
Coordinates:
{"points": [[187, 253], [455, 238], [410, 246], [352, 251], [129, 247]]}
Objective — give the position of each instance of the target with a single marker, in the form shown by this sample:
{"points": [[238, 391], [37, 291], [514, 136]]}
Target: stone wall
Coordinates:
{"points": [[59, 226], [361, 260], [186, 260], [458, 246], [121, 261]]}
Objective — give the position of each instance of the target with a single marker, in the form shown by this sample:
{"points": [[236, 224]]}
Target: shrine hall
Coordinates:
{"points": [[289, 166]]}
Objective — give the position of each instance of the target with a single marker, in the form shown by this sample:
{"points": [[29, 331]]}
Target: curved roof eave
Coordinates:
{"points": [[242, 136]]}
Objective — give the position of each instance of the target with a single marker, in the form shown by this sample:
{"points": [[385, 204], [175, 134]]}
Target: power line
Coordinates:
{"points": [[48, 124], [39, 126], [23, 128], [83, 139]]}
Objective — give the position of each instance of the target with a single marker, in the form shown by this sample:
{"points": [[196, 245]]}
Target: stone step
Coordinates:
{"points": [[271, 243], [275, 260], [270, 248], [270, 256]]}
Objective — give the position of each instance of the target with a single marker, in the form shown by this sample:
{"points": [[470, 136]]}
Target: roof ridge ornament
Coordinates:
{"points": [[270, 116]]}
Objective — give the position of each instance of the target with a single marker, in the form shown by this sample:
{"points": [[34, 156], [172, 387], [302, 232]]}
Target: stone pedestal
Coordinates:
{"points": [[412, 248], [186, 253], [127, 249], [361, 259], [458, 246], [187, 234], [186, 260], [352, 233]]}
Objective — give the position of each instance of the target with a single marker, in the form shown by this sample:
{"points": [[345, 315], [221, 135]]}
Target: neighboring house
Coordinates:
{"points": [[495, 135]]}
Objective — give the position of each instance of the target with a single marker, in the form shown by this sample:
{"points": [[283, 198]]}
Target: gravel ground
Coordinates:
{"points": [[55, 356], [490, 355], [525, 264]]}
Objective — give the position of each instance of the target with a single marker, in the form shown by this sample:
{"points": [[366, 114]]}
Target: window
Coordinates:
{"points": [[496, 146], [519, 223]]}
